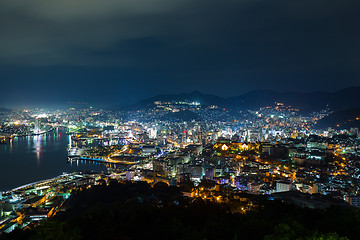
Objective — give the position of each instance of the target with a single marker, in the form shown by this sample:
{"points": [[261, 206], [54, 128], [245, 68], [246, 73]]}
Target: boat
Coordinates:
{"points": [[74, 153]]}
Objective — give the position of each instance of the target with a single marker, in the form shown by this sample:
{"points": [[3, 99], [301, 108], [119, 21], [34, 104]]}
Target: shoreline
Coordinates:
{"points": [[9, 135]]}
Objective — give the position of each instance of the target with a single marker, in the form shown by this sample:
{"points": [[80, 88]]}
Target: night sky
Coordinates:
{"points": [[116, 52]]}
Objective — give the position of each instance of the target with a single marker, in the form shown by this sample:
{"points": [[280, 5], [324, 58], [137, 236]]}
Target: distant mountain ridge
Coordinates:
{"points": [[343, 119], [196, 96], [311, 101], [308, 101], [6, 110]]}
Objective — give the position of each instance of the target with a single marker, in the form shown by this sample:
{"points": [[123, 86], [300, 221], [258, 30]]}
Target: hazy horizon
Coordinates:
{"points": [[65, 104]]}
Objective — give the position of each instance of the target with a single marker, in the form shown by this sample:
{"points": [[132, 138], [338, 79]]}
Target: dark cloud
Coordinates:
{"points": [[178, 45]]}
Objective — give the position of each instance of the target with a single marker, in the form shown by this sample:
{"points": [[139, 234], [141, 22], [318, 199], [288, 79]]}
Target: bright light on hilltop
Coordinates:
{"points": [[43, 115]]}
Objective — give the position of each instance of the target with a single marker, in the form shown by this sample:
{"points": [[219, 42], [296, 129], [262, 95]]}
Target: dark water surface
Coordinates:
{"points": [[28, 159]]}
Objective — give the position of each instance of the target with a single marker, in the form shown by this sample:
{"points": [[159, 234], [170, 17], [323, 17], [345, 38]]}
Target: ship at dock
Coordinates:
{"points": [[74, 153]]}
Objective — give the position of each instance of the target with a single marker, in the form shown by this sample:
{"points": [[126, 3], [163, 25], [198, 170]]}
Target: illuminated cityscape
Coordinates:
{"points": [[274, 153], [156, 119]]}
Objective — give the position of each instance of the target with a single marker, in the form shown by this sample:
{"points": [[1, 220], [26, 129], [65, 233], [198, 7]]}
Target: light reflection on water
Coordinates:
{"points": [[28, 159], [37, 149]]}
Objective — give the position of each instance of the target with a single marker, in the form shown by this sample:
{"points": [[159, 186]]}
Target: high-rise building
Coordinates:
{"points": [[283, 187]]}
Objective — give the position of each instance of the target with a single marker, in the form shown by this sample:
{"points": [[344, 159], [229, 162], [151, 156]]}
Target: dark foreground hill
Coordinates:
{"points": [[138, 211]]}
